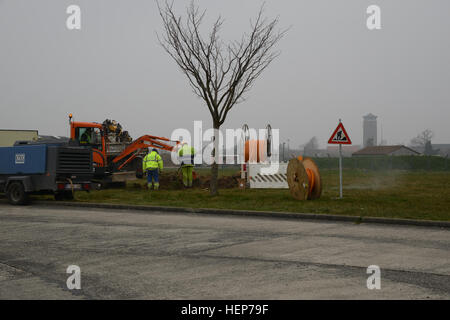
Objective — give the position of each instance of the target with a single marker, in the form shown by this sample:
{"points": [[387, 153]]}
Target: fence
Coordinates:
{"points": [[432, 163]]}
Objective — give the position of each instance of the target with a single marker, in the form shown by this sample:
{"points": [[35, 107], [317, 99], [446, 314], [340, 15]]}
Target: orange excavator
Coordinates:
{"points": [[111, 153]]}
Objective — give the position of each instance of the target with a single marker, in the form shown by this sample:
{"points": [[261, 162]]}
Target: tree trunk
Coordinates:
{"points": [[214, 184]]}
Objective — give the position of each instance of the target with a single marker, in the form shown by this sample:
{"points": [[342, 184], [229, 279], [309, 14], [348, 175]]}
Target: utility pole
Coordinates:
{"points": [[289, 149], [340, 168], [340, 137]]}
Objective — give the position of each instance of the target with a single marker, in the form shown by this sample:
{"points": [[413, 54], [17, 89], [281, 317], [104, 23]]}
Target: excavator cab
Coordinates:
{"points": [[90, 134]]}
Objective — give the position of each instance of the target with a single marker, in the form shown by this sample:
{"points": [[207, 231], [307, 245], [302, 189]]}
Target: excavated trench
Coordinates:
{"points": [[173, 181]]}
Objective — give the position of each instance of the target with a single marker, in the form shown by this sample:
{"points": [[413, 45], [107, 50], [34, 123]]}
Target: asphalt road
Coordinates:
{"points": [[144, 255]]}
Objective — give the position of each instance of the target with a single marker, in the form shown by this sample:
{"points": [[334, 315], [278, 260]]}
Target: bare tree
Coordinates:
{"points": [[219, 73], [312, 144], [422, 138]]}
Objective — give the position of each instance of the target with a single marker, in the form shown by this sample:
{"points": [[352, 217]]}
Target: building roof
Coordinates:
{"points": [[440, 145], [370, 116], [19, 130], [380, 150]]}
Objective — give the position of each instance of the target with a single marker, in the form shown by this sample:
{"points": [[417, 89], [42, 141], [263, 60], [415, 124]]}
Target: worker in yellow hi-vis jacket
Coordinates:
{"points": [[153, 165], [186, 155]]}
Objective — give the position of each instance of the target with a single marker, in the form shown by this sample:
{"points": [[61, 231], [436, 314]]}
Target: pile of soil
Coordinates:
{"points": [[227, 182], [173, 181]]}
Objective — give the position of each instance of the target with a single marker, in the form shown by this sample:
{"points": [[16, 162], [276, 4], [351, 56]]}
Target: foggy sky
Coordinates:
{"points": [[331, 66]]}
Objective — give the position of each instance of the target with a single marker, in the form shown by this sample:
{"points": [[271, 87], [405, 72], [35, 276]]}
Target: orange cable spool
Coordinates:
{"points": [[255, 151], [310, 174], [304, 179]]}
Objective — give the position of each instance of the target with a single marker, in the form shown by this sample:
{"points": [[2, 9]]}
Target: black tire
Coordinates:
{"points": [[59, 196], [68, 195], [16, 194], [64, 195]]}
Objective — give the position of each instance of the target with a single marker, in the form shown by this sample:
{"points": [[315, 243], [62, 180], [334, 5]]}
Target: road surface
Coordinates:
{"points": [[147, 255]]}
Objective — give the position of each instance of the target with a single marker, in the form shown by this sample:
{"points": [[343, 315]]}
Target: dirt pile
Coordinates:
{"points": [[226, 182]]}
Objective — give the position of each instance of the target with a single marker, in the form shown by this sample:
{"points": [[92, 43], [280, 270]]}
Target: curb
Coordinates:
{"points": [[262, 214]]}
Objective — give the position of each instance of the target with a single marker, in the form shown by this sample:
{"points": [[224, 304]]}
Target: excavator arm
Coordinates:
{"points": [[143, 142]]}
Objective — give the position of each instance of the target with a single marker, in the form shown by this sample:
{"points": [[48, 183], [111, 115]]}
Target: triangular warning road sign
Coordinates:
{"points": [[340, 136]]}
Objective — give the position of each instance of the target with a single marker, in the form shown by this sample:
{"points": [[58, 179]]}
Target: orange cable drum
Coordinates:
{"points": [[310, 174], [304, 178], [255, 151]]}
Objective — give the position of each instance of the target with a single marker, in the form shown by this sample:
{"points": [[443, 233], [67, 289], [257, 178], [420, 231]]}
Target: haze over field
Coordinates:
{"points": [[331, 66]]}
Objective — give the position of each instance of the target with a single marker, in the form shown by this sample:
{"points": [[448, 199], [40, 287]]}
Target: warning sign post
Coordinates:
{"points": [[340, 137]]}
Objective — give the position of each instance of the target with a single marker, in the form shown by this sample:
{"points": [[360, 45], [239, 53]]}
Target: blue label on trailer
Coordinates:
{"points": [[28, 159]]}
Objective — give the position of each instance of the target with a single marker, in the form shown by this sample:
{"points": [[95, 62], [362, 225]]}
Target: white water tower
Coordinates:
{"points": [[370, 130]]}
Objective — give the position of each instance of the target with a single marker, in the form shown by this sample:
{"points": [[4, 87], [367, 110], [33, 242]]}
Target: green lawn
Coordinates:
{"points": [[396, 194]]}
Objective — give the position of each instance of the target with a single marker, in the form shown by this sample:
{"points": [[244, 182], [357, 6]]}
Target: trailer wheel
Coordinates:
{"points": [[64, 195], [16, 194], [68, 195]]}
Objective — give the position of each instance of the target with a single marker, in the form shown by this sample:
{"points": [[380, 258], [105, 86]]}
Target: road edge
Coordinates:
{"points": [[251, 213]]}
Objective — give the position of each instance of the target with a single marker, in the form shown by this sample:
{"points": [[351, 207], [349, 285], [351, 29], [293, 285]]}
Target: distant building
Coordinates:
{"points": [[440, 149], [347, 150], [398, 150], [9, 137], [52, 139], [370, 130]]}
